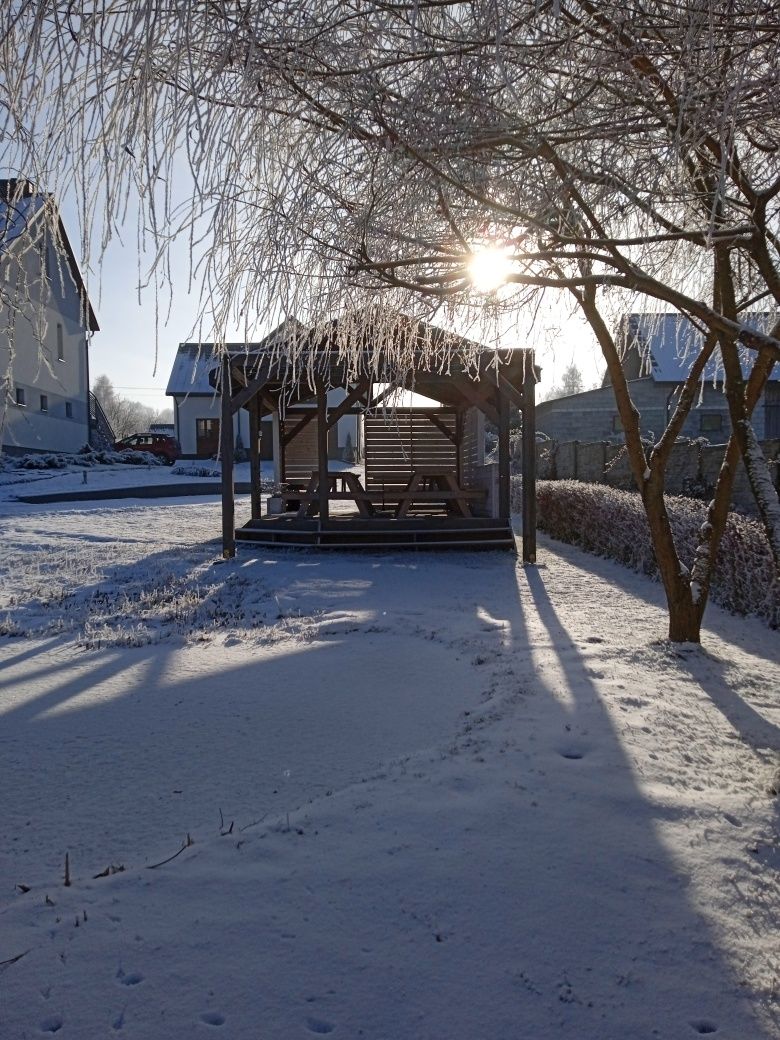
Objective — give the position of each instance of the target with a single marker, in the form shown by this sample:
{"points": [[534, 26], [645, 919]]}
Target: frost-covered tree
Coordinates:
{"points": [[126, 417], [621, 154], [571, 383]]}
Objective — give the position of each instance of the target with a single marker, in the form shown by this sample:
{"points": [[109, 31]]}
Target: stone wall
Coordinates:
{"points": [[692, 470]]}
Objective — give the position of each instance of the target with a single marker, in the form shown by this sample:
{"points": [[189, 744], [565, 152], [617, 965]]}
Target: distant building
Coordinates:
{"points": [[196, 408], [658, 351], [45, 325]]}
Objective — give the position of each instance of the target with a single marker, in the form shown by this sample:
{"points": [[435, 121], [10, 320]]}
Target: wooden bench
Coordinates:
{"points": [[419, 489]]}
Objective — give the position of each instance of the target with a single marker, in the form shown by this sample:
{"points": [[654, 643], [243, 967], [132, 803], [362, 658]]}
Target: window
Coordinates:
{"points": [[20, 398], [44, 403], [60, 344], [617, 424], [68, 410], [711, 422]]}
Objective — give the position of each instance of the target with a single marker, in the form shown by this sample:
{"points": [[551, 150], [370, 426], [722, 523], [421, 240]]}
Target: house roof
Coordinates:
{"points": [[667, 344], [191, 367], [21, 206], [194, 362]]}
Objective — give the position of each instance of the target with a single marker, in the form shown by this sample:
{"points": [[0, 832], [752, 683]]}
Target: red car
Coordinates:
{"points": [[160, 444]]}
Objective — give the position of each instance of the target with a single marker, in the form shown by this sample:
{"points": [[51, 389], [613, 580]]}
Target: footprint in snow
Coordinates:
{"points": [[212, 1018], [132, 978], [51, 1025], [319, 1025], [573, 754], [703, 1025]]}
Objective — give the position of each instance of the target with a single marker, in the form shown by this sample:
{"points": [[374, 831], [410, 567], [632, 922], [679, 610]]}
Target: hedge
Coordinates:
{"points": [[612, 523]]}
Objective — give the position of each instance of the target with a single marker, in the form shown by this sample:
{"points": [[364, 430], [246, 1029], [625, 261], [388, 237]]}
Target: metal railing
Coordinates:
{"points": [[101, 435]]}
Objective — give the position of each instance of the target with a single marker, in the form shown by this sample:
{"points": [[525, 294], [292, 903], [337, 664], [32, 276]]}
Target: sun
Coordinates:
{"points": [[489, 267]]}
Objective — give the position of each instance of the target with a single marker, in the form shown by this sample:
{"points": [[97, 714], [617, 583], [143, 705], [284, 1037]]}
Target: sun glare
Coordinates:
{"points": [[489, 268]]}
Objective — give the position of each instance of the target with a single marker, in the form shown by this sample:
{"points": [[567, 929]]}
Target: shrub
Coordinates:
{"points": [[612, 523], [195, 471], [84, 459]]}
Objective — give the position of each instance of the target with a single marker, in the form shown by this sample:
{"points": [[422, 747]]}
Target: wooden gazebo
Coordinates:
{"points": [[425, 483]]}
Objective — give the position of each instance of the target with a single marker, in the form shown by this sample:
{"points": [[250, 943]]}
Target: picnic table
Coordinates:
{"points": [[427, 485], [350, 488]]}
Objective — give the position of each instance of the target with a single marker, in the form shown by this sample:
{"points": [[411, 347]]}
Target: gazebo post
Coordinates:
{"points": [[529, 461], [322, 448], [226, 455], [254, 455], [459, 446], [504, 492]]}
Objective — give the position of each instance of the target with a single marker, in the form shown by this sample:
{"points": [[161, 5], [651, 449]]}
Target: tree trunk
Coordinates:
{"points": [[685, 617], [685, 604]]}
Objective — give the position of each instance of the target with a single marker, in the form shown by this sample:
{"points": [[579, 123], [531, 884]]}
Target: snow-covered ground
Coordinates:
{"points": [[428, 796], [24, 482]]}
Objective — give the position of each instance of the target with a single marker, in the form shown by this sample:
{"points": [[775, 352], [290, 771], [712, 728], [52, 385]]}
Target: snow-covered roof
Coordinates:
{"points": [[195, 361], [668, 345], [191, 367]]}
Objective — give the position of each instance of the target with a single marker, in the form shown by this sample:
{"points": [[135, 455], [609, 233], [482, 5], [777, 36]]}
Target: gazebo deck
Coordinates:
{"points": [[351, 531]]}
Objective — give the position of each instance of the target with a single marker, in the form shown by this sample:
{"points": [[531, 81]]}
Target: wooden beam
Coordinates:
{"points": [[529, 464], [322, 448], [472, 394], [252, 388], [514, 395], [308, 416], [226, 456], [448, 433], [346, 405], [380, 397], [280, 450], [254, 457], [270, 402], [459, 446], [504, 487]]}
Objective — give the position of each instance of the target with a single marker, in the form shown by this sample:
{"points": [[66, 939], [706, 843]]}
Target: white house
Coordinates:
{"points": [[196, 408], [45, 325]]}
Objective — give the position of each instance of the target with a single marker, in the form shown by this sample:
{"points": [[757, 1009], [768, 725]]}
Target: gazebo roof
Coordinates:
{"points": [[402, 351]]}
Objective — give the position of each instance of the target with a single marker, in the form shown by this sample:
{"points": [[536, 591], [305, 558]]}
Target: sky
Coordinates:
{"points": [[136, 345]]}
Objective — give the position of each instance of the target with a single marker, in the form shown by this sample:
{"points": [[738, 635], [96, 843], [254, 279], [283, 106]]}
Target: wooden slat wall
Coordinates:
{"points": [[399, 442], [301, 453], [472, 453], [474, 474]]}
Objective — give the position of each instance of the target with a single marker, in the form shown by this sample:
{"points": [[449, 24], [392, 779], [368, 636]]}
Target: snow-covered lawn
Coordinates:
{"points": [[428, 796]]}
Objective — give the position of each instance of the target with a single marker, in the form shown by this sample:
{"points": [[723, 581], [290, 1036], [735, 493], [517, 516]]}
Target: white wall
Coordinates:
{"points": [[29, 361], [192, 407]]}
